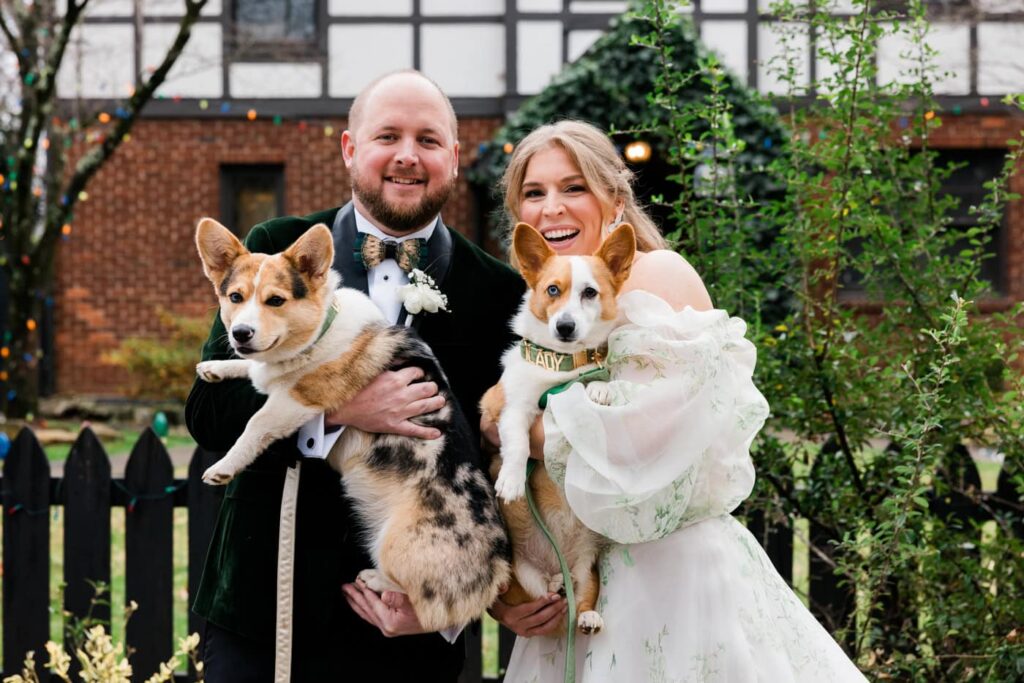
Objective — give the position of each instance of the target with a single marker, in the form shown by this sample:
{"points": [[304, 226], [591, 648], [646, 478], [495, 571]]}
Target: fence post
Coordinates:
{"points": [[86, 494], [203, 505], [26, 553], [149, 521]]}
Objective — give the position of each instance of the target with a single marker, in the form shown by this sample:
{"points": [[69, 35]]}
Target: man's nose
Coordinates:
{"points": [[406, 153]]}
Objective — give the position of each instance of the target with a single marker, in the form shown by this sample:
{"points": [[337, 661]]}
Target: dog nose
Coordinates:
{"points": [[565, 329], [242, 333]]}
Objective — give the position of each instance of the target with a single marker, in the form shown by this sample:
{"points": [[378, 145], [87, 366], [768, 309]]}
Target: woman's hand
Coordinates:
{"points": [[542, 617]]}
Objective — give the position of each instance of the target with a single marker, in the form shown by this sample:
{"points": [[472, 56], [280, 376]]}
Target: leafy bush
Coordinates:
{"points": [[933, 596], [163, 367]]}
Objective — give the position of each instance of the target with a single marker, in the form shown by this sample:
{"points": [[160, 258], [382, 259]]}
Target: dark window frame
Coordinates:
{"points": [[854, 293], [234, 176], [275, 50]]}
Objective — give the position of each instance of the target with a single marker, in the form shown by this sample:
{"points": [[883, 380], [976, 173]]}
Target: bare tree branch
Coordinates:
{"points": [[93, 160], [12, 40]]}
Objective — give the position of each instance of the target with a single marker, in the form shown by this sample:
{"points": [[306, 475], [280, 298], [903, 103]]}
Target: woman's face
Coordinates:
{"points": [[556, 200]]}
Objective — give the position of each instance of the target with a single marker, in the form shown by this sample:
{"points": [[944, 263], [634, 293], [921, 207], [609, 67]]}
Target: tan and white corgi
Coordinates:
{"points": [[433, 524], [567, 314]]}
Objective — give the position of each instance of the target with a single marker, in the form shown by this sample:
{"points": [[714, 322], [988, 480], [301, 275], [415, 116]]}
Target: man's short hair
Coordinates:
{"points": [[355, 112]]}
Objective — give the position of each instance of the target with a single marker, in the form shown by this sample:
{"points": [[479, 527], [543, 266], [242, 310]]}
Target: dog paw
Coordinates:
{"points": [[207, 371], [600, 393], [589, 622], [218, 474], [373, 580], [556, 584], [510, 486], [377, 582]]}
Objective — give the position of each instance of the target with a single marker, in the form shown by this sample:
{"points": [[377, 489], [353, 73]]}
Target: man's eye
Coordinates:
{"points": [[553, 290], [589, 292], [275, 301], [236, 298]]}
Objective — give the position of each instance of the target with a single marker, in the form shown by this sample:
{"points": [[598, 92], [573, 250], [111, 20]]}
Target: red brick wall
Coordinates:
{"points": [[131, 249]]}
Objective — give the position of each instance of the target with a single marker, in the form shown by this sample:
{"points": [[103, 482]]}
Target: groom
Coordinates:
{"points": [[402, 153]]}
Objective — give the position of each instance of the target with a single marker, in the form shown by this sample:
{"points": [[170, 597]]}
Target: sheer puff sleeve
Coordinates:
{"points": [[672, 448]]}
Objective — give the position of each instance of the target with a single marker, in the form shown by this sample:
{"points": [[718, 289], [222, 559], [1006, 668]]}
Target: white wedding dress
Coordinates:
{"points": [[687, 593]]}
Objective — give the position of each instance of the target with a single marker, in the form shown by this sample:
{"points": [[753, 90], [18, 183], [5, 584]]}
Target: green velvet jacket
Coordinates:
{"points": [[237, 589]]}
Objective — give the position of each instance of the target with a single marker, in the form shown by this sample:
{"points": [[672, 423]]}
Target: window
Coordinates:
{"points": [[275, 28], [250, 194], [975, 167]]}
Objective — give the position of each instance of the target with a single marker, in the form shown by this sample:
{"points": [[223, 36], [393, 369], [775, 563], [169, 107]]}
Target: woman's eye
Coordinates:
{"points": [[236, 298], [553, 290], [275, 301], [575, 189], [589, 292], [530, 194]]}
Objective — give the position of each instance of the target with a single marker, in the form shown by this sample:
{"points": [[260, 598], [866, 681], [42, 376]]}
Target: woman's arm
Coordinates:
{"points": [[668, 276]]}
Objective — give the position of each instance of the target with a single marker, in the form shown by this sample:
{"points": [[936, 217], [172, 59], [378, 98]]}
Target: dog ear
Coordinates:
{"points": [[617, 252], [532, 252], [313, 253], [218, 248]]}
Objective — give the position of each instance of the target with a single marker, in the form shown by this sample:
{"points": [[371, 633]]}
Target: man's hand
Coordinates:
{"points": [[390, 612], [542, 617], [385, 405]]}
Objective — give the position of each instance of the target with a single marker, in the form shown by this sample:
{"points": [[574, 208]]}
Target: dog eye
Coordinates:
{"points": [[553, 290], [275, 301], [236, 298], [589, 292]]}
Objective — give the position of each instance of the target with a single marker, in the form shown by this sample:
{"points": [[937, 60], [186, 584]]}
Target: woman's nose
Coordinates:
{"points": [[553, 205]]}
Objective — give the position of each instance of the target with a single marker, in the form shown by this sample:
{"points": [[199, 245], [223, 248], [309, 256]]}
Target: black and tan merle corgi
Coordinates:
{"points": [[568, 311], [433, 527]]}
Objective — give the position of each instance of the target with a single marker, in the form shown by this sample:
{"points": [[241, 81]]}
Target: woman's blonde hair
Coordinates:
{"points": [[603, 169]]}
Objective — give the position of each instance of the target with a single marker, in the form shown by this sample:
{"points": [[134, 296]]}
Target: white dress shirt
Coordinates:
{"points": [[383, 281]]}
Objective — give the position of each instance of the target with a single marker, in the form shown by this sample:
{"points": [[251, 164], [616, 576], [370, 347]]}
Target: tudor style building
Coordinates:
{"points": [[248, 124]]}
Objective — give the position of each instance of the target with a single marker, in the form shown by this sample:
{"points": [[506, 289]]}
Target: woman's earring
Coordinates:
{"points": [[616, 222]]}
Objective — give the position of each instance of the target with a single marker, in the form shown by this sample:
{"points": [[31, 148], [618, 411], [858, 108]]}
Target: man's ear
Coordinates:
{"points": [[313, 253], [617, 252], [455, 160], [218, 248], [532, 252], [348, 147]]}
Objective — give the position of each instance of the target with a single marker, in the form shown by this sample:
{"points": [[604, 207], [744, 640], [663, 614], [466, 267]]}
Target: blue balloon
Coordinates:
{"points": [[5, 445]]}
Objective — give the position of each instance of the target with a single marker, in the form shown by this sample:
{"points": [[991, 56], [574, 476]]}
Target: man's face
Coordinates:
{"points": [[403, 159]]}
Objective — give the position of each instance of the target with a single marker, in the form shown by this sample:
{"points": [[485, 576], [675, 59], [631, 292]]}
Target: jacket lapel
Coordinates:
{"points": [[439, 262], [344, 232]]}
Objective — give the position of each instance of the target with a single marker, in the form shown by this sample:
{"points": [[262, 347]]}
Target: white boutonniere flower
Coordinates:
{"points": [[422, 294]]}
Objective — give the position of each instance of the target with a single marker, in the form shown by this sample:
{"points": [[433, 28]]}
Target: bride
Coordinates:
{"points": [[687, 593]]}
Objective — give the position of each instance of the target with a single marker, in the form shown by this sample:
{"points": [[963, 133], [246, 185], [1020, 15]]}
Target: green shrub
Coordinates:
{"points": [[164, 367]]}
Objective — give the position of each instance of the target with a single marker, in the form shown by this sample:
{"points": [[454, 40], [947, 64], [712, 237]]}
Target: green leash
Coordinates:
{"points": [[599, 373], [570, 644]]}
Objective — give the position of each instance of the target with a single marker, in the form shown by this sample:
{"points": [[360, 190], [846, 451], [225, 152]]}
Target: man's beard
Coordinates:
{"points": [[398, 218]]}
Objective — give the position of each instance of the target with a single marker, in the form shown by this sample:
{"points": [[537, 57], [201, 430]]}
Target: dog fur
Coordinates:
{"points": [[433, 527], [570, 306]]}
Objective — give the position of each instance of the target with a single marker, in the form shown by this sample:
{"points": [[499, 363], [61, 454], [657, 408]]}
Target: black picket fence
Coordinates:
{"points": [[149, 492]]}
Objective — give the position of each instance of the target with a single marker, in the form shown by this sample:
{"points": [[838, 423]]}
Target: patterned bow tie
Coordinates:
{"points": [[370, 251]]}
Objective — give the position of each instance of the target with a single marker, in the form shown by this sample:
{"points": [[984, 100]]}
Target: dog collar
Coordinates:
{"points": [[332, 313], [562, 362]]}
